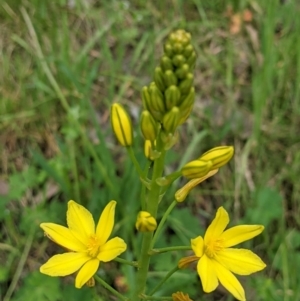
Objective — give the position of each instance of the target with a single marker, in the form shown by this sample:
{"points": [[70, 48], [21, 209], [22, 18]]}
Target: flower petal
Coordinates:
{"points": [[80, 222], [197, 245], [62, 236], [217, 226], [106, 222], [238, 234], [240, 261], [64, 264], [87, 272], [229, 281], [207, 274], [113, 248]]}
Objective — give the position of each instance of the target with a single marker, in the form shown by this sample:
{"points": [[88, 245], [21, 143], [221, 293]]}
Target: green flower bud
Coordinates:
{"points": [[170, 78], [168, 49], [186, 84], [166, 63], [188, 50], [187, 106], [192, 60], [196, 169], [178, 60], [121, 124], [172, 96], [183, 71], [159, 79], [145, 222], [149, 126], [157, 100], [171, 120], [219, 156], [178, 48], [147, 104]]}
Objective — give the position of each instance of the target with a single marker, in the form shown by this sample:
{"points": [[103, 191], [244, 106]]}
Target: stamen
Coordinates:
{"points": [[93, 246]]}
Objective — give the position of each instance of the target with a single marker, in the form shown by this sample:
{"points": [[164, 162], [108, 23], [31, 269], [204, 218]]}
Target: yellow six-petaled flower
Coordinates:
{"points": [[87, 245], [217, 261]]}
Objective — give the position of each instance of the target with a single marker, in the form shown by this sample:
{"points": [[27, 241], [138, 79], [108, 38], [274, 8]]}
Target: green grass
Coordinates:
{"points": [[63, 64]]}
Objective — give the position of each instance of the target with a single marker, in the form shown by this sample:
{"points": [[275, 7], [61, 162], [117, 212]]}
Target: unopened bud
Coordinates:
{"points": [[186, 84], [180, 296], [178, 60], [183, 71], [183, 192], [172, 96], [145, 222], [121, 124], [170, 78], [219, 156], [171, 120], [149, 126], [157, 100], [196, 169], [166, 63], [158, 78]]}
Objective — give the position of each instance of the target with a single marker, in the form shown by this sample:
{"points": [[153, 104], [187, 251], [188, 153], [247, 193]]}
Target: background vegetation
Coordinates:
{"points": [[64, 62]]}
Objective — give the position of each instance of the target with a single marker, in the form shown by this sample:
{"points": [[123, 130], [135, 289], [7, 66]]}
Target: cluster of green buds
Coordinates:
{"points": [[169, 99]]}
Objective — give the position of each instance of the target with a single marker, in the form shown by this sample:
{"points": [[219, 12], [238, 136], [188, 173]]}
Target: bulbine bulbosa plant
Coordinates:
{"points": [[167, 103]]}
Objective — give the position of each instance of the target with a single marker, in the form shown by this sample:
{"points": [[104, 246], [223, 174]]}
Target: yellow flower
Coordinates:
{"points": [[88, 245], [218, 261]]}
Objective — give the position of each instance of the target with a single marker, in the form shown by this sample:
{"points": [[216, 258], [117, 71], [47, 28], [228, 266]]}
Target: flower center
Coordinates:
{"points": [[213, 247], [93, 246]]}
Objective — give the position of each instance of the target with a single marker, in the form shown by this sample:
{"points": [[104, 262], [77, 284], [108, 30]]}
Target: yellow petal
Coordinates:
{"points": [[106, 222], [207, 274], [80, 222], [64, 264], [62, 236], [240, 261], [238, 234], [113, 248], [229, 281], [197, 245], [217, 226], [87, 272]]}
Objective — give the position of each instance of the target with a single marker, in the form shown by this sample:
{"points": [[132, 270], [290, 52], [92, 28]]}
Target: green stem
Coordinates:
{"points": [[164, 280], [135, 162], [162, 222], [109, 288], [121, 260], [75, 172], [144, 188], [168, 249], [152, 206]]}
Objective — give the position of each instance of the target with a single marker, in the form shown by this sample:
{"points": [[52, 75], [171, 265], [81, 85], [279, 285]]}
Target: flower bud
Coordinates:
{"points": [[149, 126], [219, 156], [145, 222], [166, 63], [158, 78], [183, 192], [172, 95], [186, 84], [186, 261], [171, 120], [157, 99], [170, 78], [121, 124], [180, 296], [196, 169]]}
